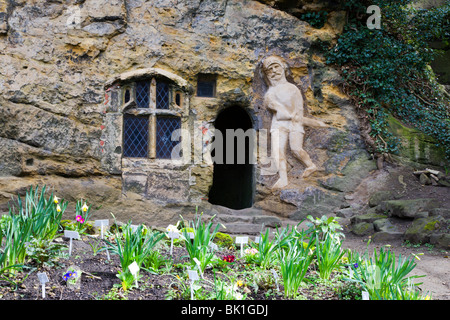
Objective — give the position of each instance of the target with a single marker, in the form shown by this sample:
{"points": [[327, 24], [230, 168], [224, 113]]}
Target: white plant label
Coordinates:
{"points": [[275, 276], [133, 227], [71, 235], [198, 265], [43, 278], [365, 295], [172, 235], [242, 241], [191, 235], [257, 239], [193, 275], [101, 224], [213, 246], [134, 269]]}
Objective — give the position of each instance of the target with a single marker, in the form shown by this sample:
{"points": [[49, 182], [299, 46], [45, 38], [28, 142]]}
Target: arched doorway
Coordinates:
{"points": [[233, 178]]}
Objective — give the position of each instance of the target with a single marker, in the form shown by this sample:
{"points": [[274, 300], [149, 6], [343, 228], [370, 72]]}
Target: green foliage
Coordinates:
{"points": [[44, 252], [199, 248], [294, 263], [39, 214], [329, 253], [322, 227], [381, 275], [266, 255], [132, 246], [223, 240], [315, 19], [387, 70]]}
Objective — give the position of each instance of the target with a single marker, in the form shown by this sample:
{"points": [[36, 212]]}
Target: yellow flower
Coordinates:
{"points": [[239, 283], [84, 207], [58, 208], [55, 199]]}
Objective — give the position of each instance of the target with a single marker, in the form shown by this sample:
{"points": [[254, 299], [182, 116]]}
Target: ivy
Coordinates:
{"points": [[315, 19], [386, 71]]}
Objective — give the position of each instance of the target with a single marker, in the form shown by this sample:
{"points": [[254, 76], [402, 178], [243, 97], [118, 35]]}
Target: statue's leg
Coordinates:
{"points": [[279, 141], [296, 145]]}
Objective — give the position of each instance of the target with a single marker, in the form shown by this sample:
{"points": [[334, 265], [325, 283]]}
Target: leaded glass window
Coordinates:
{"points": [[162, 95], [153, 98], [135, 136], [165, 126], [142, 94]]}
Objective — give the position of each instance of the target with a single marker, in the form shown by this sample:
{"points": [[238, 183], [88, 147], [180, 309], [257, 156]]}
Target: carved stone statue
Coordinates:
{"points": [[285, 101]]}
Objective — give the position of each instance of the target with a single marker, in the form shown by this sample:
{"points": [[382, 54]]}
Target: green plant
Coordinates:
{"points": [[328, 253], [44, 252], [199, 248], [322, 227], [266, 251], [223, 240], [82, 215], [38, 214], [380, 273], [154, 261], [294, 263], [386, 71], [132, 246], [315, 19], [226, 290]]}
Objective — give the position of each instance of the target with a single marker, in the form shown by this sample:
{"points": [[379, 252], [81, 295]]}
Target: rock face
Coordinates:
{"points": [[72, 77], [426, 222]]}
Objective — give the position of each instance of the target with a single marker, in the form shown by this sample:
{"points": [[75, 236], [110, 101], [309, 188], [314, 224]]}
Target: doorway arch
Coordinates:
{"points": [[233, 179]]}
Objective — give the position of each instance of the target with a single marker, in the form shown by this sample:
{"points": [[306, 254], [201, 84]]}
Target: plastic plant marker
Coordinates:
{"points": [[71, 235], [365, 295], [133, 227], [242, 241], [101, 224], [213, 246], [198, 265], [134, 269], [275, 276], [193, 276], [43, 278], [172, 235], [191, 235], [257, 239]]}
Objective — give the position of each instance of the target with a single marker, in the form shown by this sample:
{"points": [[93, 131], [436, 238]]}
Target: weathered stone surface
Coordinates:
{"points": [[63, 67], [416, 146], [384, 225], [386, 236], [445, 213], [377, 197], [424, 179], [407, 208], [346, 212], [422, 229], [362, 228], [368, 218]]}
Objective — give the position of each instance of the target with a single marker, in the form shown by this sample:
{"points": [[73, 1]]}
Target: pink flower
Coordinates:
{"points": [[80, 219]]}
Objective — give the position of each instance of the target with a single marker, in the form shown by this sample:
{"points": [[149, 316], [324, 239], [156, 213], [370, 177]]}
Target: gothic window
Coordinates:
{"points": [[151, 118]]}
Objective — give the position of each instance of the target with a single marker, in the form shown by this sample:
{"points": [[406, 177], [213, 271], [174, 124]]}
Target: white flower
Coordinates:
{"points": [[172, 228]]}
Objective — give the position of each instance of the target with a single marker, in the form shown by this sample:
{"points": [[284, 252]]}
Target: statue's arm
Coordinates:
{"points": [[314, 123]]}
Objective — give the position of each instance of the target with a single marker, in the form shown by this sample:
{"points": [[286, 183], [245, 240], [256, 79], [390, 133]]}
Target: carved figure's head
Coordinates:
{"points": [[274, 69]]}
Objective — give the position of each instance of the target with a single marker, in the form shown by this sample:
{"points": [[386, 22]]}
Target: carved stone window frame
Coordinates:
{"points": [[116, 108]]}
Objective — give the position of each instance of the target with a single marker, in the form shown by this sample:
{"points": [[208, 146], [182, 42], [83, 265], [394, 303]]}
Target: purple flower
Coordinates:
{"points": [[355, 265]]}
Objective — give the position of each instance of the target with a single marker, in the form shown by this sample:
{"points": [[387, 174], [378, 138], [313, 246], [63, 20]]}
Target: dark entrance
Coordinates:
{"points": [[233, 183]]}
